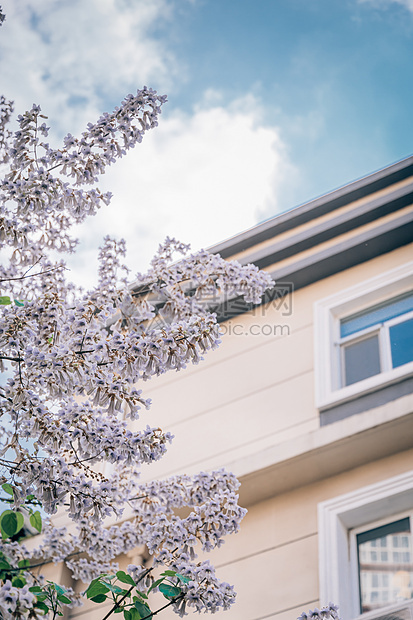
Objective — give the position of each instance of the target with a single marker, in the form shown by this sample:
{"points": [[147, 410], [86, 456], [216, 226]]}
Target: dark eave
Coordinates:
{"points": [[365, 242], [362, 245], [333, 227], [359, 248], [316, 208]]}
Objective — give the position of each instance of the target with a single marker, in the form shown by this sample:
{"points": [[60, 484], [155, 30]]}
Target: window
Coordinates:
{"points": [[352, 528], [364, 337], [377, 339], [382, 583]]}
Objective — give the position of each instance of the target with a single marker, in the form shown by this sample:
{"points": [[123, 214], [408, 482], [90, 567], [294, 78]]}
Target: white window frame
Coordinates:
{"points": [[327, 315], [337, 518], [382, 330]]}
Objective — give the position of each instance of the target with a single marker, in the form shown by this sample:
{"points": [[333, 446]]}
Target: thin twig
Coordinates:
{"points": [[153, 613], [44, 563], [32, 275], [34, 264], [118, 603]]}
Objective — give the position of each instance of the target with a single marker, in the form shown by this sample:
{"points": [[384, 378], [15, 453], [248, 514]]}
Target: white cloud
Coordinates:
{"points": [[200, 178], [72, 56], [408, 4]]}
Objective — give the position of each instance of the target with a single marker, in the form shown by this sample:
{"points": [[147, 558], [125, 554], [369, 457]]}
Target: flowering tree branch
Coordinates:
{"points": [[71, 437], [70, 432]]}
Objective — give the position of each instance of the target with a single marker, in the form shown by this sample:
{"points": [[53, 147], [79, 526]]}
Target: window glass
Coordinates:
{"points": [[388, 345], [401, 342], [361, 360], [389, 578], [379, 314]]}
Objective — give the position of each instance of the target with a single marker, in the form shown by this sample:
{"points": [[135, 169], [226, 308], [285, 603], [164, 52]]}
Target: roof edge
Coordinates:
{"points": [[315, 208]]}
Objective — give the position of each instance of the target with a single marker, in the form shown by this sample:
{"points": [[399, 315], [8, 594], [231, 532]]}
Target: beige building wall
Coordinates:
{"points": [[273, 561], [257, 389], [250, 406], [254, 394]]}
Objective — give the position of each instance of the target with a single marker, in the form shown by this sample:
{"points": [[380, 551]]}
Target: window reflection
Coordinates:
{"points": [[385, 576]]}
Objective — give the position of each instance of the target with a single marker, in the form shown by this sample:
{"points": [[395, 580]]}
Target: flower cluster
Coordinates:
{"points": [[75, 363], [329, 612], [6, 109], [200, 587], [14, 602]]}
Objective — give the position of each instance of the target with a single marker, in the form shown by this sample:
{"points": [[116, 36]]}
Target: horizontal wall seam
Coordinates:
{"points": [[201, 368], [267, 550], [174, 472], [277, 613], [242, 397]]}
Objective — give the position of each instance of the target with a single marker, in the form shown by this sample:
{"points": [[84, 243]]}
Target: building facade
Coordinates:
{"points": [[309, 402]]}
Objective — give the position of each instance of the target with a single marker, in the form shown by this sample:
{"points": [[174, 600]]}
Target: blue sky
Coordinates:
{"points": [[271, 103], [335, 77]]}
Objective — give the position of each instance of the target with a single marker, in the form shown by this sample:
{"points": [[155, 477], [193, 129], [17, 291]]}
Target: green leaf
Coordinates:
{"points": [[5, 301], [183, 578], [169, 591], [18, 582], [7, 488], [11, 522], [60, 589], [118, 610], [4, 565], [142, 609], [36, 520], [95, 588], [156, 584], [20, 521], [169, 573], [35, 589], [112, 588], [99, 598], [18, 303], [127, 614], [42, 606], [63, 599], [125, 577], [23, 564]]}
